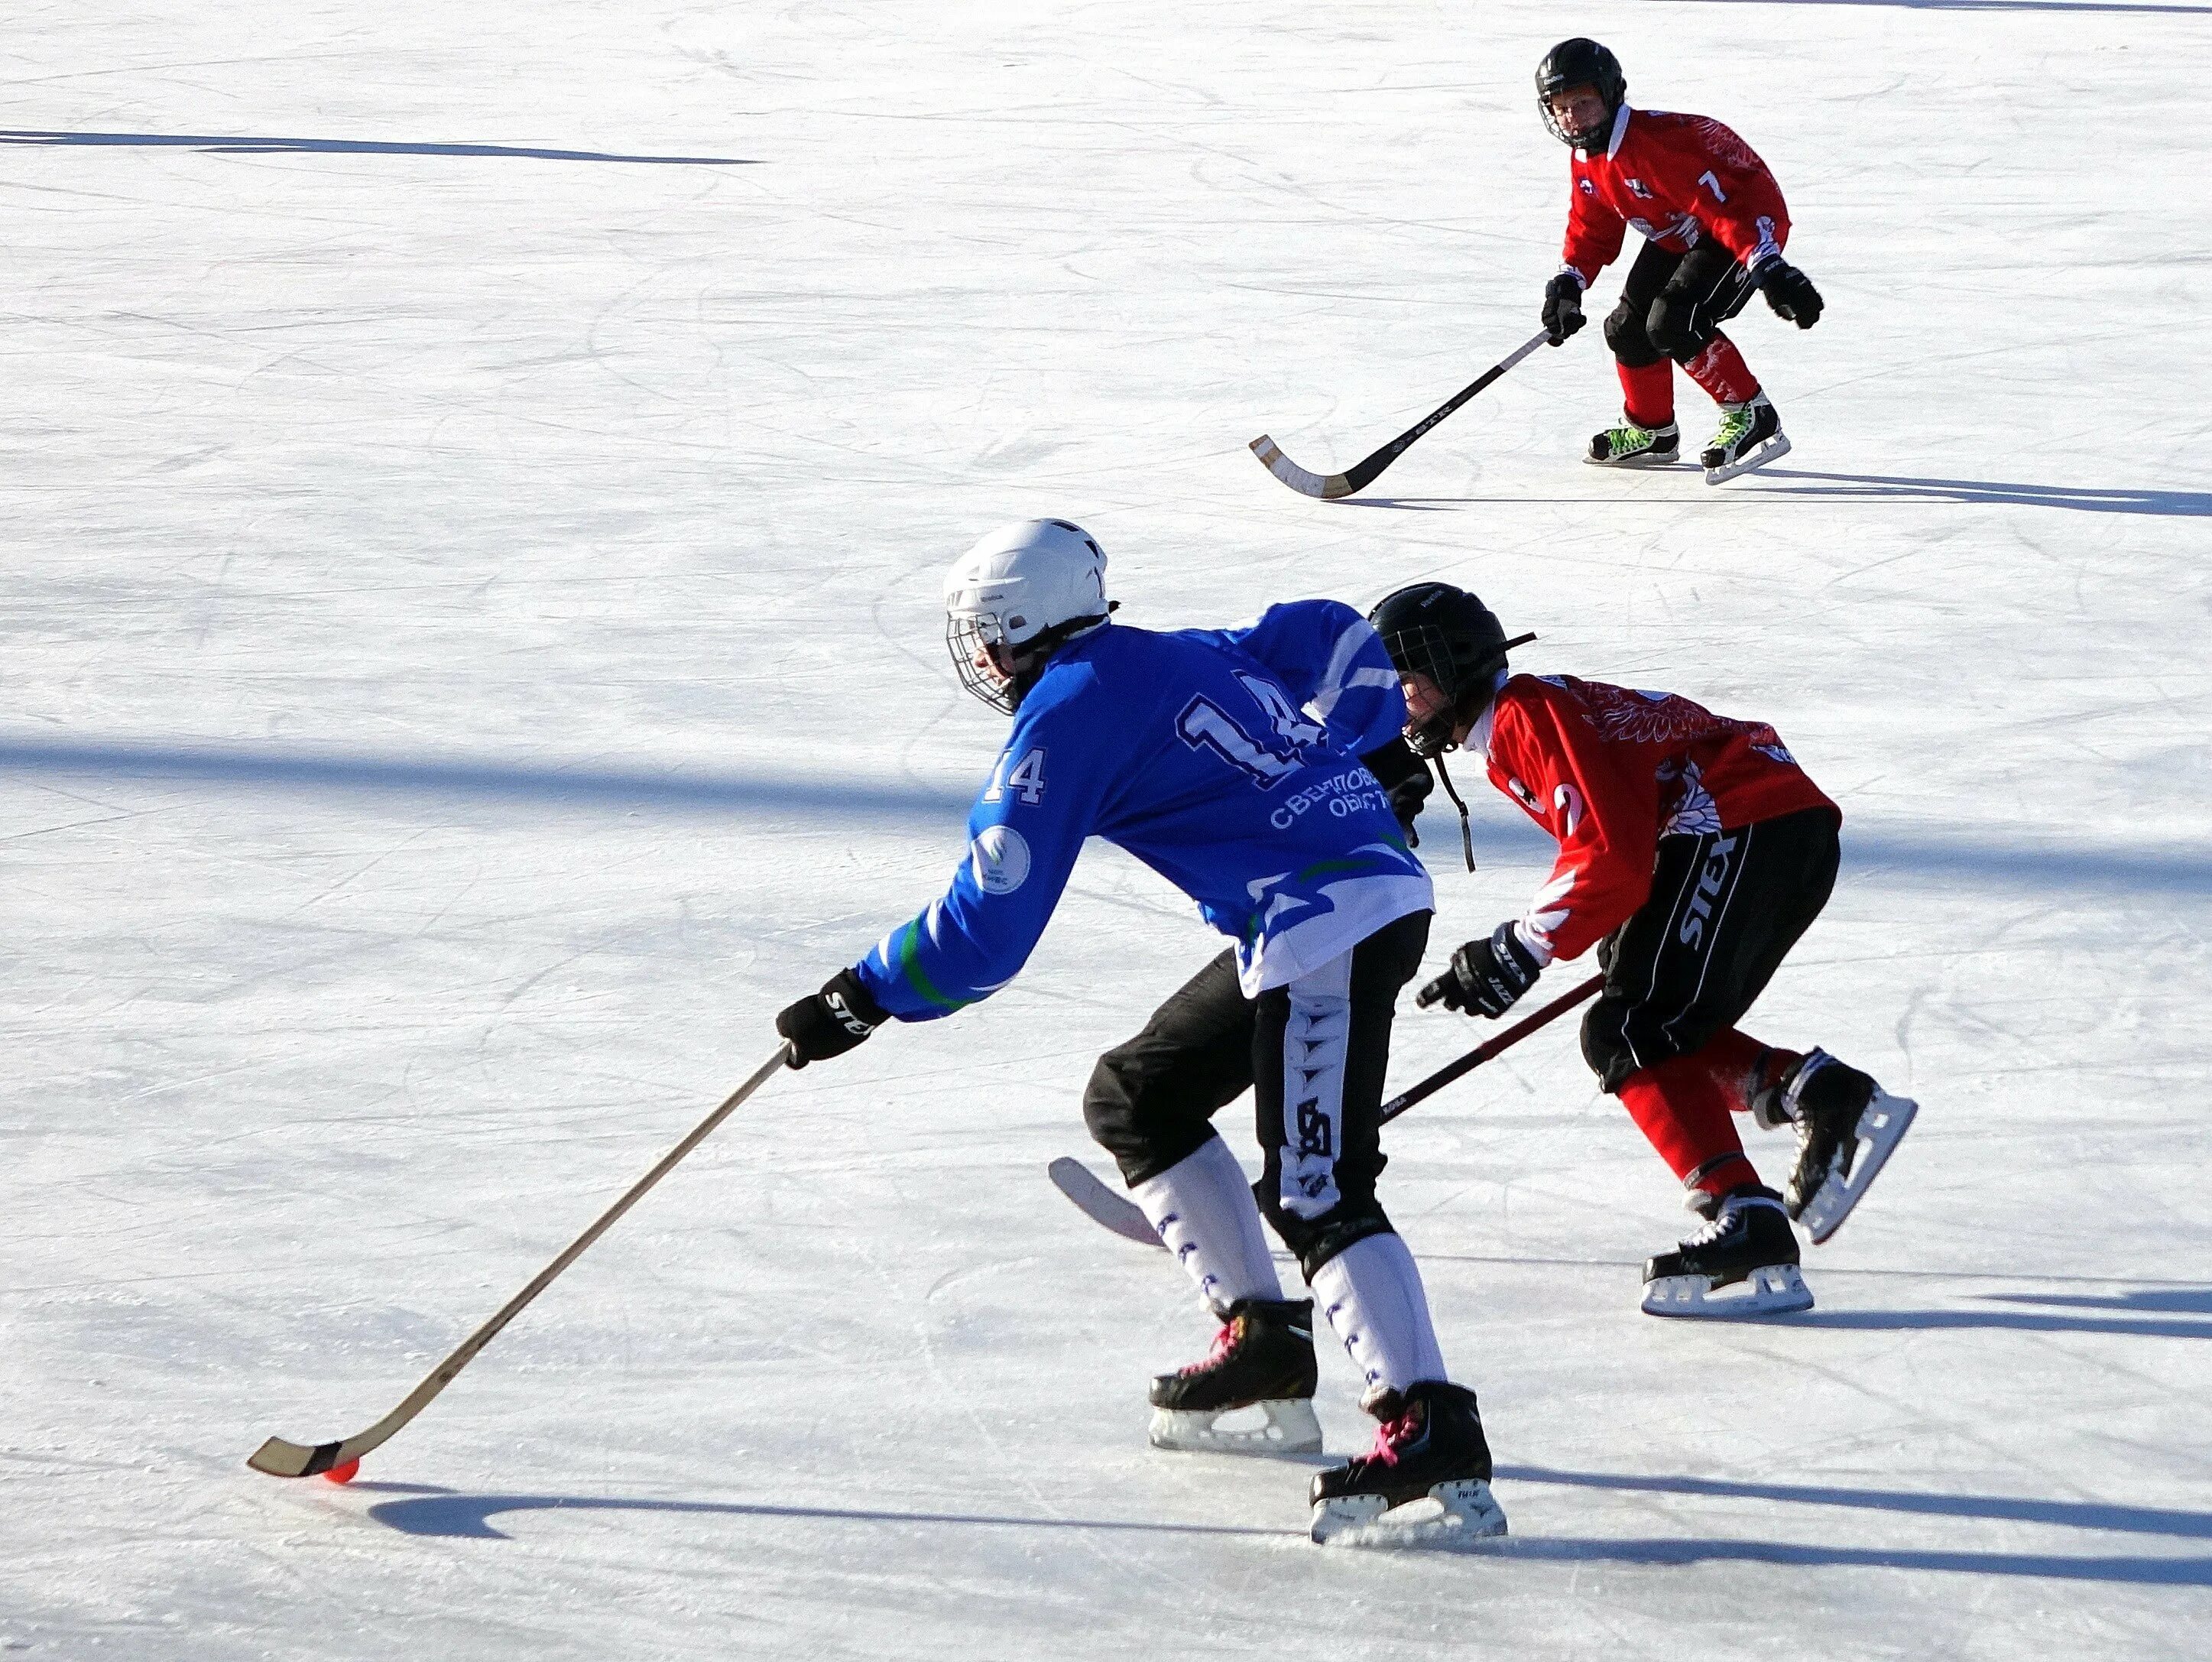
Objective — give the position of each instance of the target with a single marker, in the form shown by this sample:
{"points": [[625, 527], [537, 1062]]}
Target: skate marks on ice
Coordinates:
{"points": [[252, 146], [2125, 8]]}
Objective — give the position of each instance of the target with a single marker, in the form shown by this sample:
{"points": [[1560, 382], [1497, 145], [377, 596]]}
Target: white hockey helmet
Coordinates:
{"points": [[1027, 588]]}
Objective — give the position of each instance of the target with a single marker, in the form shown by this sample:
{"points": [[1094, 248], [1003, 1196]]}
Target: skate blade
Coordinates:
{"points": [[1284, 1425], [1774, 1289], [1641, 462], [1773, 450], [1460, 1514], [1882, 1125]]}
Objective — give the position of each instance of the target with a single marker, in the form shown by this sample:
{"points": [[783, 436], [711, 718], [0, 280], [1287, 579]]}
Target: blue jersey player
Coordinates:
{"points": [[1230, 762]]}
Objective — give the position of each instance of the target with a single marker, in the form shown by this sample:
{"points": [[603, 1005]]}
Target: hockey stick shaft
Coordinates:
{"points": [[1357, 479], [1487, 1049], [280, 1459]]}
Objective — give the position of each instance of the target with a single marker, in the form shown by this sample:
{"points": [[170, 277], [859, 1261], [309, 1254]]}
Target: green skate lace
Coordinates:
{"points": [[1735, 424], [1628, 436]]}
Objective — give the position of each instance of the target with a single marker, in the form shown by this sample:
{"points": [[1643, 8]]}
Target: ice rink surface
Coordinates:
{"points": [[478, 480]]}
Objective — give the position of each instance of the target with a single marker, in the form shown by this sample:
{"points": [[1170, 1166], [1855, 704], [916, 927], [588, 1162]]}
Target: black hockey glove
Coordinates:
{"points": [[1788, 290], [1486, 977], [1404, 780], [1563, 307], [832, 1021]]}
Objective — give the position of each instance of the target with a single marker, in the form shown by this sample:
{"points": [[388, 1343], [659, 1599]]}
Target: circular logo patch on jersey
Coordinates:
{"points": [[1001, 860]]}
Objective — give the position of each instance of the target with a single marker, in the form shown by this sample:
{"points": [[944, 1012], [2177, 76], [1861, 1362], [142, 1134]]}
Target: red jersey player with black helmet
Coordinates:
{"points": [[1714, 224], [1693, 852]]}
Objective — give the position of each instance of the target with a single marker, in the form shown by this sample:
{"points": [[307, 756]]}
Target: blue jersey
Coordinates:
{"points": [[1227, 760]]}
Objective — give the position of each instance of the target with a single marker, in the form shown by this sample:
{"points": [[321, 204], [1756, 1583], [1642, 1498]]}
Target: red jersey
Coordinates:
{"points": [[1609, 772], [1677, 178]]}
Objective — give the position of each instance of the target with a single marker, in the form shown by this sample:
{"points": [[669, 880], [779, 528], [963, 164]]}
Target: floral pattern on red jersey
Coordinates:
{"points": [[1722, 145], [1641, 717], [1691, 811]]}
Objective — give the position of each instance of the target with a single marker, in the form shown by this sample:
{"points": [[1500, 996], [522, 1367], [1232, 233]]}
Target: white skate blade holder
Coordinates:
{"points": [[1281, 1426], [1460, 1514], [1883, 1124], [1773, 1290], [1773, 450]]}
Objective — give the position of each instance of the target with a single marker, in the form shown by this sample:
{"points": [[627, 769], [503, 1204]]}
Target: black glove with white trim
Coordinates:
{"points": [[1486, 977], [1404, 780], [1563, 307], [1788, 290], [832, 1021]]}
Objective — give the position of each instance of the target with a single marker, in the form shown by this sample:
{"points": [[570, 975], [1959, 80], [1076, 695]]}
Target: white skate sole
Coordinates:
{"points": [[1883, 1124], [1282, 1426], [1461, 1513], [1773, 450], [1775, 1289], [1647, 459]]}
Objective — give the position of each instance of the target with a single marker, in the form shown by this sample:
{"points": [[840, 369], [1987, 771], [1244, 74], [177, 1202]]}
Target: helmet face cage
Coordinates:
{"points": [[1580, 63], [972, 638], [1426, 649]]}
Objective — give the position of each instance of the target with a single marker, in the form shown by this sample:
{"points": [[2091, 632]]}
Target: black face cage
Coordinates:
{"points": [[1466, 682]]}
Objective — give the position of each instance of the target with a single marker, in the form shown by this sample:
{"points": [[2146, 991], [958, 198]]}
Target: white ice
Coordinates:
{"points": [[471, 653]]}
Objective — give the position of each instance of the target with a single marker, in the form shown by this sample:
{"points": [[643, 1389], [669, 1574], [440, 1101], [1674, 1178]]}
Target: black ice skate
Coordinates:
{"points": [[1262, 1360], [1429, 1448], [1748, 1245], [1847, 1126], [1631, 446], [1750, 436]]}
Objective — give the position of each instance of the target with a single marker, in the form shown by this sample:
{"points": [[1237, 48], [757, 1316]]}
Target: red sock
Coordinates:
{"points": [[1721, 370], [1684, 1110], [1743, 1066], [1648, 392]]}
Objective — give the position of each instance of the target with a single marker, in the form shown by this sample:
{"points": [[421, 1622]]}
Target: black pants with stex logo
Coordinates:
{"points": [[1672, 305], [1724, 910], [1312, 1053]]}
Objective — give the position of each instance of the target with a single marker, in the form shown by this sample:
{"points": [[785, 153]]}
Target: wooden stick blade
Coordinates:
{"points": [[1099, 1203], [1327, 489], [282, 1459]]}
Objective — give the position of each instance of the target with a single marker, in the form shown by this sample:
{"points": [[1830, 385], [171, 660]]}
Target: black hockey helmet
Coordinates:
{"points": [[1580, 63], [1451, 637]]}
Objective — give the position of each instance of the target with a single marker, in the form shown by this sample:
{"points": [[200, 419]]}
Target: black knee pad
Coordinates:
{"points": [[1315, 1241], [1147, 1128], [1605, 1043], [1631, 342], [1678, 328]]}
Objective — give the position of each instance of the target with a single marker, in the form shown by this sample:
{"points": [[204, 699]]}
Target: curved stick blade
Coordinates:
{"points": [[1099, 1204], [1271, 456]]}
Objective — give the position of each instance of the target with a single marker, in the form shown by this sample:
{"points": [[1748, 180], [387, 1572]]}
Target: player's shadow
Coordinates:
{"points": [[1879, 487], [251, 146], [453, 1516], [2120, 1324]]}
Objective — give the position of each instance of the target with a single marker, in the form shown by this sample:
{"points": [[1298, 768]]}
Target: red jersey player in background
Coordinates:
{"points": [[1713, 225], [1693, 852]]}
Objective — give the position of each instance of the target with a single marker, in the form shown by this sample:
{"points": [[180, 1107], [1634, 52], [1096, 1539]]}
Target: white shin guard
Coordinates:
{"points": [[1374, 1299], [1203, 1211]]}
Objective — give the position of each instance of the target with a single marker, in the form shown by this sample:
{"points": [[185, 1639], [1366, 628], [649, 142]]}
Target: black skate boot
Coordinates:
{"points": [[1745, 1244], [1847, 1126], [1750, 436], [1631, 446], [1431, 1447], [1263, 1360]]}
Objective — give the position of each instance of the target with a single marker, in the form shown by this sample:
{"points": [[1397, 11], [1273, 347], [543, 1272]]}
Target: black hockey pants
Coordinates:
{"points": [[1724, 910], [1672, 305], [1313, 1053]]}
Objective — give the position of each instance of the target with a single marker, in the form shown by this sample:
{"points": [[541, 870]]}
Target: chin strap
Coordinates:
{"points": [[1466, 829]]}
